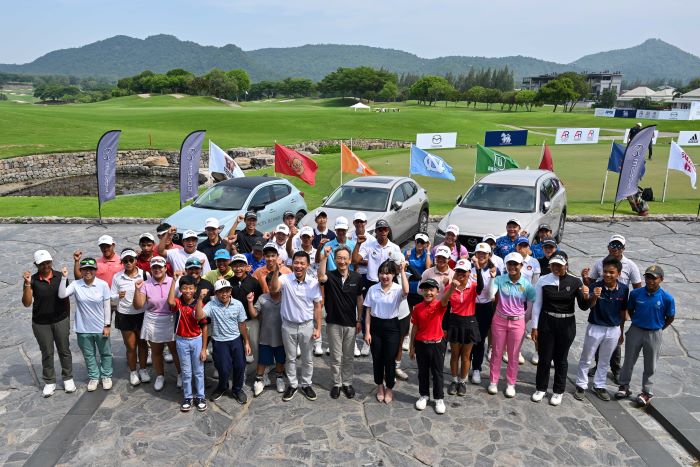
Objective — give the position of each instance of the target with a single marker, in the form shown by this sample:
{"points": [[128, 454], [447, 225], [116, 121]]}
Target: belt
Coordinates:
{"points": [[560, 315], [511, 318], [430, 342]]}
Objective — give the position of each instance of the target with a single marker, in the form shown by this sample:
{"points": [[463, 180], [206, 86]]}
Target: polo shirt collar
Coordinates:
{"points": [[47, 279], [112, 260]]}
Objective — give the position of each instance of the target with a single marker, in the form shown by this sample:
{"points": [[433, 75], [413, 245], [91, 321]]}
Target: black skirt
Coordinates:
{"points": [[125, 322], [463, 330]]}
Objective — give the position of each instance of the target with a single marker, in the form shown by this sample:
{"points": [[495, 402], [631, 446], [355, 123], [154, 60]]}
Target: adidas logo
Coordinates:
{"points": [[693, 139]]}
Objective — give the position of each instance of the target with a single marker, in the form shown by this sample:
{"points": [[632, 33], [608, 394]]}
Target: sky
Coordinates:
{"points": [[560, 31]]}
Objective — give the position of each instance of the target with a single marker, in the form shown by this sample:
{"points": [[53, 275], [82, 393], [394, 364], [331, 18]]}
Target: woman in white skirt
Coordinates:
{"points": [[158, 321]]}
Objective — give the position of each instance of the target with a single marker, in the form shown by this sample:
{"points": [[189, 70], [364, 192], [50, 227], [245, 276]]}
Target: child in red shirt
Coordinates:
{"points": [[190, 340], [425, 348]]}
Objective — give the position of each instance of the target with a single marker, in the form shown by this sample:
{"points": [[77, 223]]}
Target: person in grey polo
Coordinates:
{"points": [[301, 321]]}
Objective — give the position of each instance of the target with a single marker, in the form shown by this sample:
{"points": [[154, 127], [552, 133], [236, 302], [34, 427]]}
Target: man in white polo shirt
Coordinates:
{"points": [[301, 321], [374, 253], [177, 258]]}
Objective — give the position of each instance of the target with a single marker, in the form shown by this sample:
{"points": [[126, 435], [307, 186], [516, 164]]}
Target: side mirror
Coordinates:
{"points": [[323, 200], [546, 206], [459, 199], [397, 205]]}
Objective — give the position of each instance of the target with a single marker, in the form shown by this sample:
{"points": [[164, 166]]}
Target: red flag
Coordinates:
{"points": [[546, 163], [290, 162]]}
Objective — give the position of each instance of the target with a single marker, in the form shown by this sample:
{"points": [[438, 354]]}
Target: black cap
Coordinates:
{"points": [[429, 284], [288, 214], [655, 271], [381, 223], [258, 245], [549, 242], [251, 215], [544, 227]]}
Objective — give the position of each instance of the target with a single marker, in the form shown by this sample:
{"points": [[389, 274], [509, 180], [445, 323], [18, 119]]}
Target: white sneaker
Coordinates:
{"points": [[538, 396], [493, 388], [92, 384], [422, 402], [144, 376], [365, 349], [328, 350], [535, 359], [401, 374], [521, 359], [106, 384], [178, 383], [134, 378], [167, 356], [281, 387], [249, 359], [318, 350], [510, 391], [149, 359], [215, 375], [440, 406], [406, 343], [505, 357], [69, 386], [258, 387], [476, 377], [49, 389], [298, 351], [160, 381], [555, 399], [357, 350]]}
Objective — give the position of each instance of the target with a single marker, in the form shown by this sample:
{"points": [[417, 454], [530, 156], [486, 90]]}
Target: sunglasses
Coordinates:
{"points": [[128, 259], [155, 266], [616, 246]]}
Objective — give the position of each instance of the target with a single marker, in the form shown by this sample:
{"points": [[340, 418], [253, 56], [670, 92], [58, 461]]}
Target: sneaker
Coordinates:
{"points": [[349, 391], [493, 388], [357, 351], [280, 384], [505, 357], [160, 381], [592, 370], [538, 396], [149, 360], [422, 403], [439, 406], [521, 359], [555, 399], [186, 405], [328, 350], [298, 351], [462, 389], [241, 397], [318, 350], [258, 387], [452, 390], [167, 356], [308, 392], [644, 398], [92, 385], [134, 378], [623, 392], [49, 389], [476, 377], [249, 359], [144, 376], [217, 394], [215, 374], [106, 383], [335, 392], [289, 393], [510, 391], [406, 343], [365, 349], [69, 386], [401, 374], [201, 404], [579, 394], [602, 394], [535, 358], [178, 383]]}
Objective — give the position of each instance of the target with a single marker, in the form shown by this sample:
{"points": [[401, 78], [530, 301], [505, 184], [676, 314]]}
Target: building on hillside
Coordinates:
{"points": [[686, 101], [598, 82], [664, 95]]}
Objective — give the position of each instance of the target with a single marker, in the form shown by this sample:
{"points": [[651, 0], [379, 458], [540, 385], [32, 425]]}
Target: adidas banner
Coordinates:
{"points": [[689, 138]]}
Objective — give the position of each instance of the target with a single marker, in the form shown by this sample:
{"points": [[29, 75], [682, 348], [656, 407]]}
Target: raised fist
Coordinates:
{"points": [[64, 271], [77, 255], [597, 291]]}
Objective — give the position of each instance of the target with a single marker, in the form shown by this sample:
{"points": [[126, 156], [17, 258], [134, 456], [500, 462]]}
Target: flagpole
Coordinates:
{"points": [[410, 155], [663, 198], [605, 181], [274, 165]]}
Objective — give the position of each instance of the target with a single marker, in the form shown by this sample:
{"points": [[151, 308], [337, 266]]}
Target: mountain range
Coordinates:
{"points": [[121, 56]]}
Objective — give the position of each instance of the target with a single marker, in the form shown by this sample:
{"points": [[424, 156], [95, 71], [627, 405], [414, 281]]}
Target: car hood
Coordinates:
{"points": [[477, 222], [192, 218], [372, 218]]}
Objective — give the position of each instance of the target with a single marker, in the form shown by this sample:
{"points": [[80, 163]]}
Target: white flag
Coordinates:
{"points": [[679, 160], [221, 162]]}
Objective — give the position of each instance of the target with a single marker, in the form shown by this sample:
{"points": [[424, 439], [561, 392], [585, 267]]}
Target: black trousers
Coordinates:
{"points": [[615, 359], [484, 315], [386, 337], [430, 359], [555, 336]]}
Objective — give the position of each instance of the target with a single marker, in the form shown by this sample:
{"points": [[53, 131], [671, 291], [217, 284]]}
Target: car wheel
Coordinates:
{"points": [[560, 230], [299, 216], [423, 221]]}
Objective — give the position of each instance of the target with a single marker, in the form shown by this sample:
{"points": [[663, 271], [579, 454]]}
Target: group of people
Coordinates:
{"points": [[261, 297]]}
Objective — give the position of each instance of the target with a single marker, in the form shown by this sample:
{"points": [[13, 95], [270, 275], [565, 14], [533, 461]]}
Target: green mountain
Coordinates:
{"points": [[121, 56]]}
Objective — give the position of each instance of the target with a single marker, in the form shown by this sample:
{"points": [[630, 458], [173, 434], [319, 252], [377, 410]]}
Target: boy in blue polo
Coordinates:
{"points": [[651, 310]]}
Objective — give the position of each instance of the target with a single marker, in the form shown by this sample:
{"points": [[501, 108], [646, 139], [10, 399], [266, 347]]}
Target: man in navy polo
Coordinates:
{"points": [[651, 310]]}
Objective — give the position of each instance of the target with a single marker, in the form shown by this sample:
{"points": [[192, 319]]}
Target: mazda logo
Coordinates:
{"points": [[437, 139]]}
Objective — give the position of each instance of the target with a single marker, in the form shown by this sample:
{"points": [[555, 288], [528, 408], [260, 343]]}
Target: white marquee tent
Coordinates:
{"points": [[360, 106]]}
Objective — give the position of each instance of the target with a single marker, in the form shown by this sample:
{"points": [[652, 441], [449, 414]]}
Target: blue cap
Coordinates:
{"points": [[522, 240], [193, 262], [222, 254]]}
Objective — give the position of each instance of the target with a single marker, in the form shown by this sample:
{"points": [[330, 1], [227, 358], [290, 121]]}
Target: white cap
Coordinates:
{"points": [[558, 259], [360, 216], [189, 234], [239, 257], [148, 236], [513, 220], [341, 223], [283, 228], [128, 253], [41, 256], [221, 284], [319, 212], [306, 230], [618, 238], [212, 222], [489, 237], [452, 228], [483, 247], [517, 257], [422, 236], [443, 251], [157, 261], [105, 240], [463, 265]]}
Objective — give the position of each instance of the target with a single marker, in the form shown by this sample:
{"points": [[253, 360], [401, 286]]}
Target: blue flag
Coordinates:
{"points": [[617, 155], [429, 165]]}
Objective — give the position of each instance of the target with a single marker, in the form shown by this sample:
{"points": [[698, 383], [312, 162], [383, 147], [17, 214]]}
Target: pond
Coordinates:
{"points": [[86, 185]]}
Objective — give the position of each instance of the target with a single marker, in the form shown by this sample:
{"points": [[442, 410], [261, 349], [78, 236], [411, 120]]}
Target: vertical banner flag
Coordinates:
{"points": [[222, 163], [546, 163], [633, 163], [679, 160], [190, 155], [350, 163], [429, 165], [106, 161], [488, 160], [290, 162]]}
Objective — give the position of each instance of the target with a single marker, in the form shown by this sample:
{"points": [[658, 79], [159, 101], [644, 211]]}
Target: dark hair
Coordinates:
{"points": [[612, 261], [162, 227], [387, 267], [186, 280], [343, 248], [268, 277], [301, 253]]}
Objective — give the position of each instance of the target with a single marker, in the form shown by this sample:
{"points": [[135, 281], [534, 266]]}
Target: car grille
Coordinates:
{"points": [[469, 241]]}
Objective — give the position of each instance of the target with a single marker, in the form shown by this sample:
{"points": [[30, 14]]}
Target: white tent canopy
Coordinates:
{"points": [[359, 105]]}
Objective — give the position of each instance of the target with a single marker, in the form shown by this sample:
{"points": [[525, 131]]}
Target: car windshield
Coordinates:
{"points": [[358, 198], [508, 198], [223, 197]]}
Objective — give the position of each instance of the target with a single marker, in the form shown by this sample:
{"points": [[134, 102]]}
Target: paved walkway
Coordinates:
{"points": [[134, 425]]}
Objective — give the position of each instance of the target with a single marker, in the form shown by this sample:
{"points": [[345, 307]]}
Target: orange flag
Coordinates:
{"points": [[546, 162], [350, 163]]}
